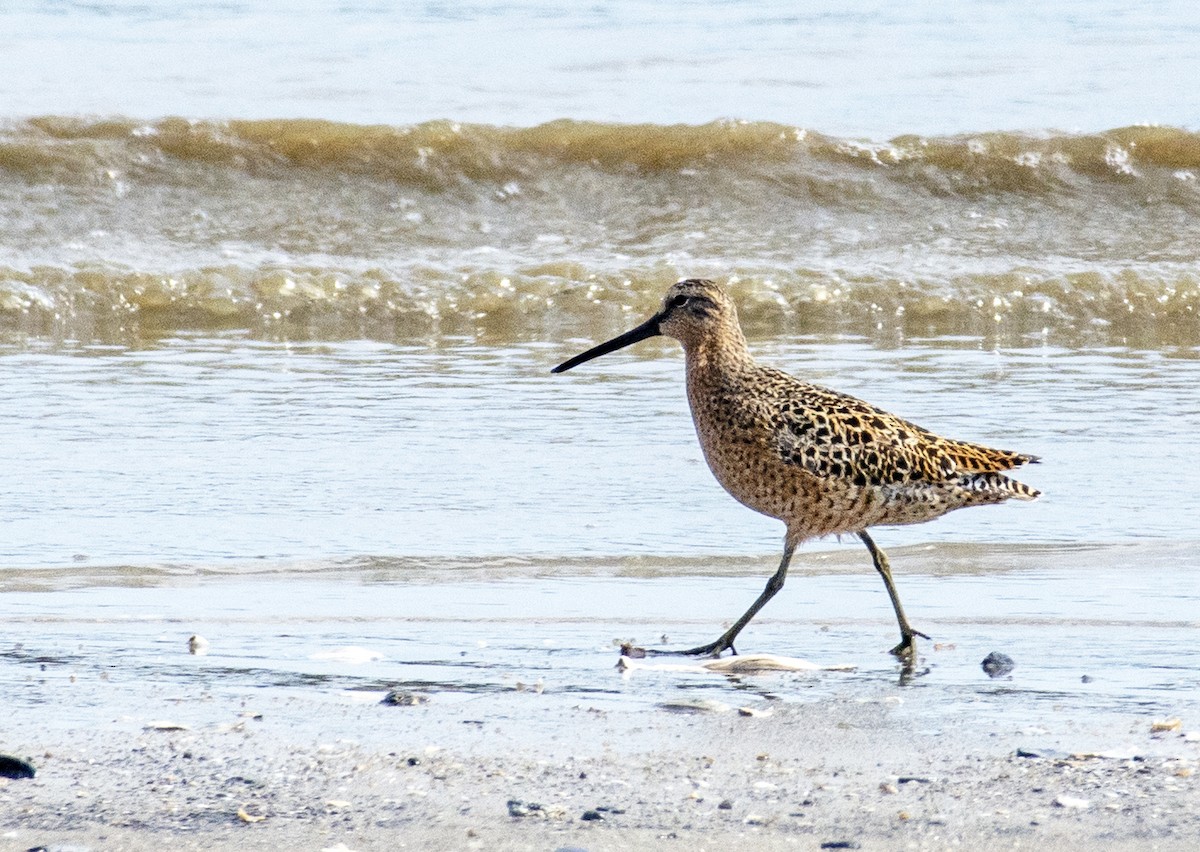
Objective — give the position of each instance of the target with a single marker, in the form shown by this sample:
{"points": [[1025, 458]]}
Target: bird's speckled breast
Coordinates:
{"points": [[735, 432]]}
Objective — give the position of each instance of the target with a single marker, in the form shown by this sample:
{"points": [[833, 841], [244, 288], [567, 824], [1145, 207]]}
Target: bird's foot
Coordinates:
{"points": [[712, 649], [907, 649]]}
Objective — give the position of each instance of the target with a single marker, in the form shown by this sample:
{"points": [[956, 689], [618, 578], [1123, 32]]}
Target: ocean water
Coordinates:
{"points": [[281, 286], [873, 69]]}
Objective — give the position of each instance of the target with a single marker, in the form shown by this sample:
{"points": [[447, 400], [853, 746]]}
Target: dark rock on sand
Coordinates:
{"points": [[996, 664], [517, 808]]}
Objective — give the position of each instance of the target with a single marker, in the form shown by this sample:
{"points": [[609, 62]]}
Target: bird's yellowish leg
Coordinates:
{"points": [[908, 646]]}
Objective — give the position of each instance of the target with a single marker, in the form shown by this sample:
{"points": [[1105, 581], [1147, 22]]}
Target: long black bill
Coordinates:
{"points": [[647, 329]]}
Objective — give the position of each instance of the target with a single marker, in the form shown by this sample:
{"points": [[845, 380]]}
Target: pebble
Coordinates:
{"points": [[197, 645], [398, 698], [517, 808], [1051, 753], [1074, 802], [996, 664], [841, 844], [753, 712]]}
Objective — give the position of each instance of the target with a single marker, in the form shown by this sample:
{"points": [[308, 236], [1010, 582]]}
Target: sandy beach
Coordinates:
{"points": [[848, 774], [522, 733]]}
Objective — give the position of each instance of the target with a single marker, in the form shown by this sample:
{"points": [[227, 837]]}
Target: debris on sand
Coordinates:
{"points": [[1071, 802]]}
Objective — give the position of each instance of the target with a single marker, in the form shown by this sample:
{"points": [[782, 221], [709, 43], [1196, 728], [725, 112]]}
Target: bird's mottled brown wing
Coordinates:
{"points": [[834, 435]]}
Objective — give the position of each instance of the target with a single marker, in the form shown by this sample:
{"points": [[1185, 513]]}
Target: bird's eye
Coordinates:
{"points": [[679, 301]]}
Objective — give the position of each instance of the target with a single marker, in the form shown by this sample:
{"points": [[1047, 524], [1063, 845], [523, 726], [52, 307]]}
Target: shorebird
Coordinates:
{"points": [[823, 462]]}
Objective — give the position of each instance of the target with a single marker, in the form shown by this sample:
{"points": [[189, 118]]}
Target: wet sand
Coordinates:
{"points": [[859, 772], [525, 735]]}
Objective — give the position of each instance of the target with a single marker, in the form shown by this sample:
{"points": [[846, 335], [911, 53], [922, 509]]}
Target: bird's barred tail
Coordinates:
{"points": [[999, 487]]}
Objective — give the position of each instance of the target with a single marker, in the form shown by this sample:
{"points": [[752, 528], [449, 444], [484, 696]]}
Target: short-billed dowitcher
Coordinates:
{"points": [[820, 461]]}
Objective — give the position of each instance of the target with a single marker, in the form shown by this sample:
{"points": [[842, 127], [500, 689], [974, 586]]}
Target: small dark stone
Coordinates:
{"points": [[414, 761], [996, 664], [1049, 753], [396, 698], [725, 805], [841, 844], [628, 649], [911, 779], [1086, 679], [591, 816], [14, 767], [517, 808]]}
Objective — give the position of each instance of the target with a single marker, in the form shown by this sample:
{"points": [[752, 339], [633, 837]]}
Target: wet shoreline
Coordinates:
{"points": [[137, 741], [865, 769]]}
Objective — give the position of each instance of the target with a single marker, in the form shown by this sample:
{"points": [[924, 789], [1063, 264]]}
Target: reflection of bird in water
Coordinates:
{"points": [[818, 460]]}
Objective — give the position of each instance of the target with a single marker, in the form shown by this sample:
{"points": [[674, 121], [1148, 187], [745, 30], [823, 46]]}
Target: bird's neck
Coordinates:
{"points": [[723, 353]]}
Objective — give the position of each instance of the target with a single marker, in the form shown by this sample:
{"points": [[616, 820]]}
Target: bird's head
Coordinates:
{"points": [[693, 310]]}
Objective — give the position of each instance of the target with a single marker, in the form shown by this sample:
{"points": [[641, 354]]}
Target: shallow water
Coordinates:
{"points": [[539, 649], [457, 510], [214, 450]]}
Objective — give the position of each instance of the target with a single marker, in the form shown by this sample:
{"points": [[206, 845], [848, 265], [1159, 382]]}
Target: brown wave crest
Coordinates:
{"points": [[445, 153]]}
